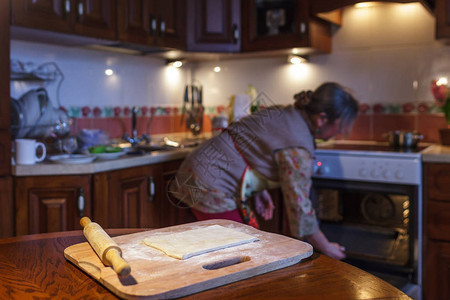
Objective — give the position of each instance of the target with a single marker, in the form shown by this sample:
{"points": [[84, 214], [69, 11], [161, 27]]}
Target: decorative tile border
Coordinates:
{"points": [[125, 111], [372, 122], [424, 107]]}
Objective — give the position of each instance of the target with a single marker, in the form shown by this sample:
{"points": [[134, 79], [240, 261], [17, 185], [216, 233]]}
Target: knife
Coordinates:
{"points": [[193, 89], [185, 100]]}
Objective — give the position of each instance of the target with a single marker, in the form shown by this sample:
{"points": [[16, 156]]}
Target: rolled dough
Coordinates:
{"points": [[182, 245]]}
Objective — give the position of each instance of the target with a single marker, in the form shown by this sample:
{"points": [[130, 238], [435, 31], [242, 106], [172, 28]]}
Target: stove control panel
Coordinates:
{"points": [[404, 170]]}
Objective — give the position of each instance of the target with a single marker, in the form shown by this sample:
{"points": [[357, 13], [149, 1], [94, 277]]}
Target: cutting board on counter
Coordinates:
{"points": [[154, 275]]}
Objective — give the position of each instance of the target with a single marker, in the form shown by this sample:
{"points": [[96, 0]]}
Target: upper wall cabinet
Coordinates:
{"points": [[322, 6], [214, 25], [156, 23], [282, 24], [92, 18], [442, 12], [254, 25]]}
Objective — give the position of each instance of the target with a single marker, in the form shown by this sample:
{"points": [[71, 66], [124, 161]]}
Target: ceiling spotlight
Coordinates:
{"points": [[296, 60], [177, 63], [217, 69]]}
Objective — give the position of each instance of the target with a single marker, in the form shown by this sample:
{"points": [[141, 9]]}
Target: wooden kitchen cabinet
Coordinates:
{"points": [[92, 18], [6, 198], [7, 207], [244, 26], [214, 26], [173, 212], [137, 198], [436, 254], [272, 25], [5, 113], [5, 118], [437, 271], [51, 203], [125, 198], [442, 14], [154, 23]]}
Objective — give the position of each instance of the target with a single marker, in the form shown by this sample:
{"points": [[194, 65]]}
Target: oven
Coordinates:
{"points": [[368, 198]]}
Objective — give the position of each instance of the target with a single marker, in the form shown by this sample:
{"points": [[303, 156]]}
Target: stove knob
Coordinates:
{"points": [[399, 174], [375, 173], [363, 172], [316, 169], [387, 174]]}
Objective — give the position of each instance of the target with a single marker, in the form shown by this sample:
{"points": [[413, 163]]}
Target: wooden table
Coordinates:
{"points": [[33, 266]]}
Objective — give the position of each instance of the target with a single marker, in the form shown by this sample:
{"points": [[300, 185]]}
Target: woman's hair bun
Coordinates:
{"points": [[302, 99]]}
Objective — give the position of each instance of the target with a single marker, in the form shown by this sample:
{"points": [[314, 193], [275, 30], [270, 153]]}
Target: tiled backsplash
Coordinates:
{"points": [[374, 126], [115, 121], [371, 123]]}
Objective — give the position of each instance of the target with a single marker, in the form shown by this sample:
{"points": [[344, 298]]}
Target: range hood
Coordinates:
{"points": [[324, 6], [72, 40]]}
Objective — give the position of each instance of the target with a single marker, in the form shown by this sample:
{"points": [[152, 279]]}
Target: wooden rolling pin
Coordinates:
{"points": [[107, 250]]}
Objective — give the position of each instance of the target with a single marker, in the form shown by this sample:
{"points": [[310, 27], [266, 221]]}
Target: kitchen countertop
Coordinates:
{"points": [[125, 161], [436, 154], [33, 266]]}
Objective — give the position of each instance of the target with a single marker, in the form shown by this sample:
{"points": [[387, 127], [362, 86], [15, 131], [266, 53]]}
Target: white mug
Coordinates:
{"points": [[26, 151]]}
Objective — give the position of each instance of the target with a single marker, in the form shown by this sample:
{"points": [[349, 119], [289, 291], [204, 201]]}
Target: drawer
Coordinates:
{"points": [[438, 220]]}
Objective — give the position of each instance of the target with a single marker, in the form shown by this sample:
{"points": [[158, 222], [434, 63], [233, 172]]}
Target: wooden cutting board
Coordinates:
{"points": [[155, 275]]}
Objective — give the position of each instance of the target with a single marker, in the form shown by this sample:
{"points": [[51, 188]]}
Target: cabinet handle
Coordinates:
{"points": [[235, 33], [67, 6], [162, 28], [152, 25], [81, 202], [80, 9], [302, 28], [151, 189]]}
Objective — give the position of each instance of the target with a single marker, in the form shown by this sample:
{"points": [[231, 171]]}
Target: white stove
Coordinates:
{"points": [[368, 162], [358, 182]]}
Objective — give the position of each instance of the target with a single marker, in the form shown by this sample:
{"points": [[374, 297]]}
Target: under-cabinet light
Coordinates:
{"points": [[109, 72], [365, 4], [296, 60], [177, 63]]}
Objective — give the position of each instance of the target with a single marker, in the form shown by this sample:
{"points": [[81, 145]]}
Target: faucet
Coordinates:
{"points": [[134, 140]]}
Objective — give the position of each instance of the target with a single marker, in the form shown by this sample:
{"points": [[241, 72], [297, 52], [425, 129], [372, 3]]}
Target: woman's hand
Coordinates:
{"points": [[321, 243], [264, 205]]}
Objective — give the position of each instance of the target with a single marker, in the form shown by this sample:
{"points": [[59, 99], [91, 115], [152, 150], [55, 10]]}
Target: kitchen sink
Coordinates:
{"points": [[166, 144], [143, 149]]}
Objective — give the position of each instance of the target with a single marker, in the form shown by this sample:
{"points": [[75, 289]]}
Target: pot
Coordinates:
{"points": [[403, 139]]}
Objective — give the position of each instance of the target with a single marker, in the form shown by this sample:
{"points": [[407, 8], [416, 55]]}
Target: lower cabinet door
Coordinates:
{"points": [[437, 271], [51, 203], [138, 198], [173, 211], [7, 205], [126, 198]]}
